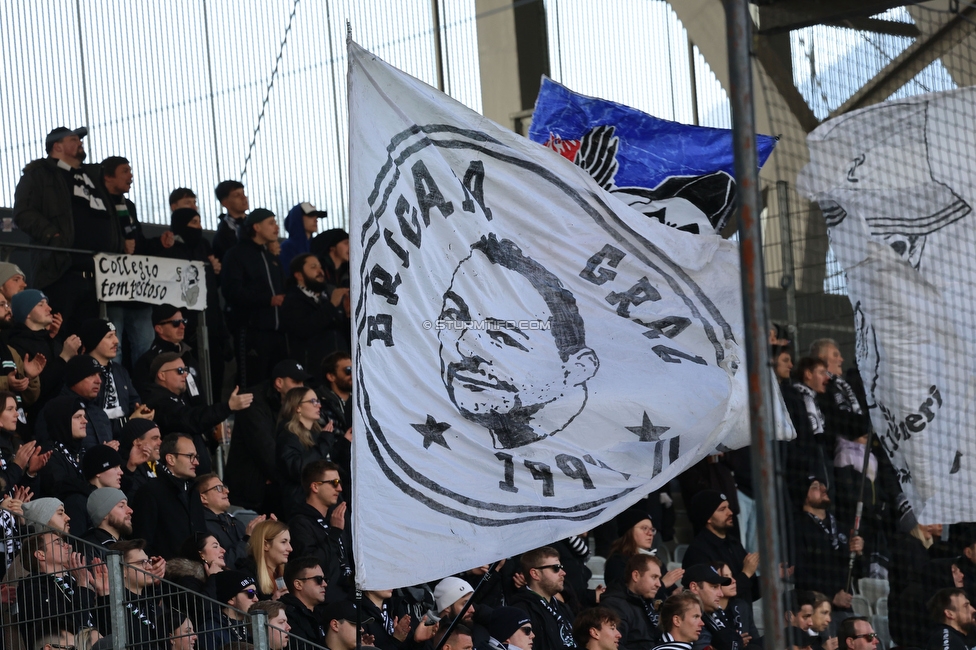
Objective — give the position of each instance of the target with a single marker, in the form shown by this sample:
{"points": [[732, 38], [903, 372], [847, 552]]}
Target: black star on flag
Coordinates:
{"points": [[433, 431], [646, 431]]}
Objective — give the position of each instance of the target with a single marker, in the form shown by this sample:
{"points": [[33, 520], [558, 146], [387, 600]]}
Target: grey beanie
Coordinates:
{"points": [[8, 270], [101, 502], [40, 511]]}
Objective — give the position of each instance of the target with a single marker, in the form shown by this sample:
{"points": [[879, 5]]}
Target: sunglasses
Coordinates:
{"points": [[182, 370], [868, 637], [251, 593], [347, 370], [319, 580], [335, 483], [526, 630], [555, 567], [176, 322]]}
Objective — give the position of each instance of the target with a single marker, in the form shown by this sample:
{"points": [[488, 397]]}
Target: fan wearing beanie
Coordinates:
{"points": [[109, 511], [32, 333], [101, 467], [450, 596], [509, 628], [47, 511], [635, 531], [117, 398], [139, 448], [19, 375], [718, 540], [236, 589], [82, 382]]}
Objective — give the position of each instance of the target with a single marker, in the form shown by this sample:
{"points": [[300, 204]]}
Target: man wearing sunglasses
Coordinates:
{"points": [[509, 628], [856, 633], [174, 412], [237, 591], [306, 594], [318, 527], [552, 620], [228, 529], [170, 325]]}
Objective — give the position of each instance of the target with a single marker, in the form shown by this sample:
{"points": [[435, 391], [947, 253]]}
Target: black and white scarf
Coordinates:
{"points": [[845, 397], [111, 405], [814, 415]]}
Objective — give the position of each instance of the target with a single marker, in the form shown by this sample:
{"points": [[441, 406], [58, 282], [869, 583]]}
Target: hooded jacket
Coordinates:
{"points": [[636, 629], [298, 240], [43, 209]]}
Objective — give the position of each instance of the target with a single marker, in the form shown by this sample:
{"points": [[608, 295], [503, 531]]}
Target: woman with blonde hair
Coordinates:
{"points": [[300, 441], [268, 550]]}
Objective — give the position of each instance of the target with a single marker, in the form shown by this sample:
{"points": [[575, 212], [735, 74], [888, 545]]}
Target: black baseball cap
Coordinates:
{"points": [[343, 610], [704, 573], [62, 132], [291, 369]]}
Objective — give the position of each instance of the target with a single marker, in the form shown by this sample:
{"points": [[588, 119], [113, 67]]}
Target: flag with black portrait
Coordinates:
{"points": [[677, 174], [531, 355]]}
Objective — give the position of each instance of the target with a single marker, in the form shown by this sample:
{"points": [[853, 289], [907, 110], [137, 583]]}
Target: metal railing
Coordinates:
{"points": [[57, 584]]}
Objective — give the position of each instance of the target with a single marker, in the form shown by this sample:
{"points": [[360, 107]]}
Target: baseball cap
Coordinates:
{"points": [[291, 369], [343, 610], [310, 210], [704, 573], [62, 132]]}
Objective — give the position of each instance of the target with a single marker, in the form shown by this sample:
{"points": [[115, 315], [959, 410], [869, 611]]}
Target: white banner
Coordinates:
{"points": [[155, 280], [531, 355], [895, 183]]}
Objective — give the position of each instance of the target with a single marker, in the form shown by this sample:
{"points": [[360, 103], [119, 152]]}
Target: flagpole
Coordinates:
{"points": [[865, 464], [485, 579], [755, 312]]}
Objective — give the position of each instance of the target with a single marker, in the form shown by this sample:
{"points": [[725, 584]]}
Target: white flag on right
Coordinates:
{"points": [[895, 183]]}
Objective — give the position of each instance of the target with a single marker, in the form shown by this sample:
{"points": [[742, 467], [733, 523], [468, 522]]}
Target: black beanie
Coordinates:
{"points": [[628, 519], [98, 459], [80, 367], [703, 505], [93, 331]]}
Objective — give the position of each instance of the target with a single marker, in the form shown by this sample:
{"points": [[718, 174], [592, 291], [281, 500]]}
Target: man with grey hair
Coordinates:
{"points": [[845, 412]]}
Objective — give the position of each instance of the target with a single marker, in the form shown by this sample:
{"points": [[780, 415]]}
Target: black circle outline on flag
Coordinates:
{"points": [[602, 215]]}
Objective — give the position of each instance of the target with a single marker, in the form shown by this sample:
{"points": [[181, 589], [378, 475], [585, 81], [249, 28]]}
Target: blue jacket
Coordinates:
{"points": [[297, 242]]}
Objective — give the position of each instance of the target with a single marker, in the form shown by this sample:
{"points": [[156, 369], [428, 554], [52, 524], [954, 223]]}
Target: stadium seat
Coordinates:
{"points": [[673, 565], [881, 607], [663, 554], [679, 552], [880, 625], [861, 605], [595, 581], [595, 564], [873, 588], [757, 616]]}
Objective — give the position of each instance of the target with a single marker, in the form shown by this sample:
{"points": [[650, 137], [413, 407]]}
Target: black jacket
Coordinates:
{"points": [[808, 452], [43, 209], [251, 463], [305, 623], [226, 237], [175, 414], [707, 547], [165, 512], [133, 481], [47, 605], [312, 535], [140, 370], [229, 531], [291, 457], [60, 478], [718, 633], [551, 633], [819, 565], [947, 638], [637, 630], [25, 340], [249, 279], [314, 329]]}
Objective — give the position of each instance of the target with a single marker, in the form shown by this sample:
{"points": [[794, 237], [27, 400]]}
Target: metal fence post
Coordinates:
{"points": [[755, 313], [116, 597], [259, 629], [203, 343]]}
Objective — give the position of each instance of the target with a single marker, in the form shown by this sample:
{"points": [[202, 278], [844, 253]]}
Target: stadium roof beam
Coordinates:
{"points": [[784, 15], [776, 61], [913, 60], [878, 26]]}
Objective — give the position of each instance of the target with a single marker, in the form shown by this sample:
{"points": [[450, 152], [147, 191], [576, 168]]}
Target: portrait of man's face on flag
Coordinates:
{"points": [[489, 337]]}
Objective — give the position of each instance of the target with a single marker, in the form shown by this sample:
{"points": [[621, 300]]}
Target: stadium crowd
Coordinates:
{"points": [[105, 434]]}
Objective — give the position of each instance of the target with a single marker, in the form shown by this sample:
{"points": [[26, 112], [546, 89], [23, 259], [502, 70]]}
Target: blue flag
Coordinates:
{"points": [[680, 174]]}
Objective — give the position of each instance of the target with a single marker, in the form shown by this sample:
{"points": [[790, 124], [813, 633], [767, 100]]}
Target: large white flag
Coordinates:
{"points": [[531, 356], [896, 185]]}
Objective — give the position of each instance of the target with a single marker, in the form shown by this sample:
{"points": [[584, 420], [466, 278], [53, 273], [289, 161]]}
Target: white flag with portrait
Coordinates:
{"points": [[531, 356]]}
